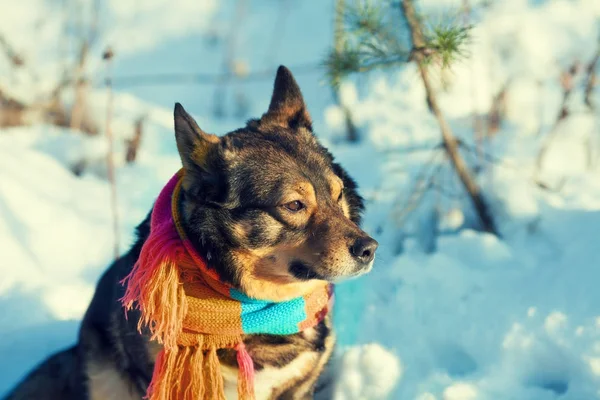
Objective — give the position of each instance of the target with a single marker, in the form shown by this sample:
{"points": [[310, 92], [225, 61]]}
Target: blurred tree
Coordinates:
{"points": [[338, 40], [377, 36], [231, 66], [77, 42]]}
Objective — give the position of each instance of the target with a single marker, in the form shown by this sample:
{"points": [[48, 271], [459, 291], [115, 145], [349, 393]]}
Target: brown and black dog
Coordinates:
{"points": [[272, 213]]}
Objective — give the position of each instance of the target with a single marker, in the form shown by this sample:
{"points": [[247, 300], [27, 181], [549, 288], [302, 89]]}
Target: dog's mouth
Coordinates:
{"points": [[304, 272]]}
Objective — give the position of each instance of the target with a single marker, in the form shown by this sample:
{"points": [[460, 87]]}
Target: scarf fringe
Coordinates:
{"points": [[181, 374], [178, 375], [154, 287]]}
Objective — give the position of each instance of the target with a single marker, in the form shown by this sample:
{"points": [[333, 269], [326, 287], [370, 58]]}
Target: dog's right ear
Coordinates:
{"points": [[193, 143], [287, 108]]}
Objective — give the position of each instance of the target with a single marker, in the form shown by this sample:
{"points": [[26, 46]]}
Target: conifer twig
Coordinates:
{"points": [[450, 142]]}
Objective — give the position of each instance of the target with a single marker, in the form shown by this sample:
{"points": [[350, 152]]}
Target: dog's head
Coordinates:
{"points": [[266, 204]]}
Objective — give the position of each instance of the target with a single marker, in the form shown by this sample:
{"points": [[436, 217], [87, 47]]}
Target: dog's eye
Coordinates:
{"points": [[294, 206], [340, 196]]}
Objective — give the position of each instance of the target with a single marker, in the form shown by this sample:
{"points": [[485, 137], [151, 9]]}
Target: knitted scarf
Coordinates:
{"points": [[192, 313]]}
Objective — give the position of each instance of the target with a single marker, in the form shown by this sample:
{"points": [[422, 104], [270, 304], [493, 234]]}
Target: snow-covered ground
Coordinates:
{"points": [[459, 315]]}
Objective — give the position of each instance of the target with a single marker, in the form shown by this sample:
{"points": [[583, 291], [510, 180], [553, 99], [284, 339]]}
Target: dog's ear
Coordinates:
{"points": [[193, 144], [287, 108]]}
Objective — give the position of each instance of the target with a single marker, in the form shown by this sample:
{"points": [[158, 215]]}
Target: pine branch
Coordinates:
{"points": [[373, 40], [370, 40], [450, 142], [448, 42]]}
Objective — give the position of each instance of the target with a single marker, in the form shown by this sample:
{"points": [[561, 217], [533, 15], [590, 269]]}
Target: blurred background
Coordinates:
{"points": [[471, 126]]}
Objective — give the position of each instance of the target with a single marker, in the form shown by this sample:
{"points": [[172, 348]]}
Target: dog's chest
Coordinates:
{"points": [[286, 366], [271, 380]]}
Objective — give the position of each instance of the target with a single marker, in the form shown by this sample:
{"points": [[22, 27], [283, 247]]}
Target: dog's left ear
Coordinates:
{"points": [[287, 108]]}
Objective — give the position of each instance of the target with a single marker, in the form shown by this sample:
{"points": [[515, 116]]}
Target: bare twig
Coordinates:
{"points": [[133, 144], [15, 59], [11, 111], [591, 80], [228, 59], [78, 109], [503, 163], [450, 142], [411, 149], [423, 182], [478, 132], [81, 85], [497, 111], [110, 165], [567, 81], [207, 79], [338, 39]]}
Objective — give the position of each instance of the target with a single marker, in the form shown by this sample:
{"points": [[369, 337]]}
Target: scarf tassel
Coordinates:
{"points": [[245, 373], [154, 286], [190, 373]]}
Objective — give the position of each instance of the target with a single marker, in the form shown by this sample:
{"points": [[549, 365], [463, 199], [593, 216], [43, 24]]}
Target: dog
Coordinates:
{"points": [[273, 214]]}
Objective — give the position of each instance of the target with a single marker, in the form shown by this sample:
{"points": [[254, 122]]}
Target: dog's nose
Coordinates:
{"points": [[364, 249]]}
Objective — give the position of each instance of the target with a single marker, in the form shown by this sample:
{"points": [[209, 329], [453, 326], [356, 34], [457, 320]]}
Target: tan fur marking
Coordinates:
{"points": [[271, 230], [345, 208], [201, 150], [308, 192], [275, 290], [266, 275], [335, 186], [240, 231]]}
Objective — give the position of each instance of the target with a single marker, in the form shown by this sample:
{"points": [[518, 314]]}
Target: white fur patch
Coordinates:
{"points": [[268, 379]]}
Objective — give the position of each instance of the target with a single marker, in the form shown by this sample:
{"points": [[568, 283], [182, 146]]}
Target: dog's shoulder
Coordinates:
{"points": [[117, 360]]}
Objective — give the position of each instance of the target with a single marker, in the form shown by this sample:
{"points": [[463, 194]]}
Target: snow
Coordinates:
{"points": [[460, 391], [448, 312], [180, 19], [46, 35], [367, 371]]}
